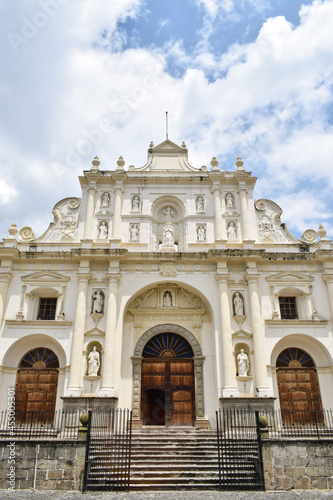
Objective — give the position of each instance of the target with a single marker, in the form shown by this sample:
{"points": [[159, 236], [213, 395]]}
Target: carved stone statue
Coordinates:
{"points": [[242, 363], [134, 232], [200, 206], [103, 230], [105, 200], [232, 233], [168, 238], [98, 301], [238, 304], [229, 200], [167, 299], [136, 203], [201, 233], [93, 362]]}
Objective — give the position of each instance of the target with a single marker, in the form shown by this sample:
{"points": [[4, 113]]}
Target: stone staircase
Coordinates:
{"points": [[176, 459]]}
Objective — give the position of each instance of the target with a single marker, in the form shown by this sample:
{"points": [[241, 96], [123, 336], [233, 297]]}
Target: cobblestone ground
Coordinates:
{"points": [[180, 495]]}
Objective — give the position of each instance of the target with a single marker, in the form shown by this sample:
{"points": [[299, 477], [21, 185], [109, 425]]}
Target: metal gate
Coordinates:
{"points": [[108, 450], [239, 450]]}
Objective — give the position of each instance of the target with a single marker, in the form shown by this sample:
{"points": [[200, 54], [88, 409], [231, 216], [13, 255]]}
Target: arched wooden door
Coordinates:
{"points": [[167, 381], [299, 392], [36, 385]]}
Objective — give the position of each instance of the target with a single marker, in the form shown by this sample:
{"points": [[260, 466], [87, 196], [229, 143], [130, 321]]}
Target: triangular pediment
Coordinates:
{"points": [[45, 277], [95, 332], [168, 147], [241, 334], [167, 157], [289, 277]]}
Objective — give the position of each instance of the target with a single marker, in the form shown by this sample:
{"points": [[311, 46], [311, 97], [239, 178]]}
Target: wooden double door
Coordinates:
{"points": [[36, 392], [299, 393], [167, 395]]}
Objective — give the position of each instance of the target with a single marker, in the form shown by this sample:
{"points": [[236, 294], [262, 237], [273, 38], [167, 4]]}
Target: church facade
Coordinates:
{"points": [[169, 290]]}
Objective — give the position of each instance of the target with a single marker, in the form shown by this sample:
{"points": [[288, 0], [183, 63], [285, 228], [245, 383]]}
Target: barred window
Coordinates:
{"points": [[47, 308], [288, 307]]}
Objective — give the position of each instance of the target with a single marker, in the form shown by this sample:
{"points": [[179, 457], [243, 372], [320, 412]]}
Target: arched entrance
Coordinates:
{"points": [[167, 381], [299, 391], [168, 386], [36, 384]]}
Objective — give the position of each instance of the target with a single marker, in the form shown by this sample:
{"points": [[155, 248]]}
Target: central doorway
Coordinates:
{"points": [[167, 381]]}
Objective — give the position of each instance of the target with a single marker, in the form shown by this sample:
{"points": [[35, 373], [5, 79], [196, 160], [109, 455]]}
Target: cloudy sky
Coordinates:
{"points": [[249, 78]]}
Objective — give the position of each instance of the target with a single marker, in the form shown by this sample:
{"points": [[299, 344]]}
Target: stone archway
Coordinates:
{"points": [[198, 360]]}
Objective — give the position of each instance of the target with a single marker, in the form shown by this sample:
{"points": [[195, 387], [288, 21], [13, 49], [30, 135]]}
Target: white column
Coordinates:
{"points": [[88, 232], [75, 376], [244, 212], [109, 356], [220, 232], [328, 277], [260, 368], [116, 230], [228, 362], [4, 283]]}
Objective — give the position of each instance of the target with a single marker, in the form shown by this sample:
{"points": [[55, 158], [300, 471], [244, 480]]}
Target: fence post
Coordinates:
{"points": [[261, 465], [218, 430], [86, 462]]}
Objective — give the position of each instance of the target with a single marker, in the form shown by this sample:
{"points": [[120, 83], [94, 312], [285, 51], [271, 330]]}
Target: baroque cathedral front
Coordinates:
{"points": [[169, 290]]}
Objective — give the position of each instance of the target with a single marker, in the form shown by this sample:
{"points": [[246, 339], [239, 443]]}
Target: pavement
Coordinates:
{"points": [[172, 495]]}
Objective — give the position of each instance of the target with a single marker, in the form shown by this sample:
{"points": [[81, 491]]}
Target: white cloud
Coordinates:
{"points": [[66, 98]]}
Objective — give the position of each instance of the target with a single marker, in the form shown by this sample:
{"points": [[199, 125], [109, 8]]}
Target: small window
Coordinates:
{"points": [[47, 308], [288, 307]]}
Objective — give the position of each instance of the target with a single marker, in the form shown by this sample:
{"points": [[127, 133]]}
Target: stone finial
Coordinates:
{"points": [[322, 232], [183, 145], [120, 163], [96, 163], [239, 163], [151, 145], [13, 230], [214, 163]]}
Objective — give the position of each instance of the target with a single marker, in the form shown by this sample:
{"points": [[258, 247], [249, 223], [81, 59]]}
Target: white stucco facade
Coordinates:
{"points": [[168, 248]]}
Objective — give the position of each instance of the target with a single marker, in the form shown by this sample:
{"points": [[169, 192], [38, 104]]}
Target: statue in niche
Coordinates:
{"points": [[201, 233], [200, 206], [238, 303], [232, 233], [242, 363], [134, 232], [136, 203], [105, 200], [229, 200], [103, 230], [167, 299], [93, 362], [168, 238], [168, 212], [98, 301]]}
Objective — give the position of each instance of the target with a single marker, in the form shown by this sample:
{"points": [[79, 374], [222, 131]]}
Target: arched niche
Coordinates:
{"points": [[168, 210]]}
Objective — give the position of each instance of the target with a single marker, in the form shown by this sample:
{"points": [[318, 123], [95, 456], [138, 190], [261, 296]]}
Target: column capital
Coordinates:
{"points": [[6, 276], [328, 275], [113, 278], [216, 186], [83, 277]]}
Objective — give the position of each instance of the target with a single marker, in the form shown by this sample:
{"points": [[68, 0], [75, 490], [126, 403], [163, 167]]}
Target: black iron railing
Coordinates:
{"points": [[239, 450], [313, 424], [108, 451], [60, 424]]}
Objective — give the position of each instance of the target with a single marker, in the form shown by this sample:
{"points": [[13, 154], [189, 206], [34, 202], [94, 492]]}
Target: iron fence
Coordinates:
{"points": [[283, 424], [51, 425], [108, 450], [239, 450]]}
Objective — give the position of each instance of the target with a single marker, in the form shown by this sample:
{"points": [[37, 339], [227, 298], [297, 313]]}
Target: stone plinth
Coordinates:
{"points": [[248, 403], [88, 403]]}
